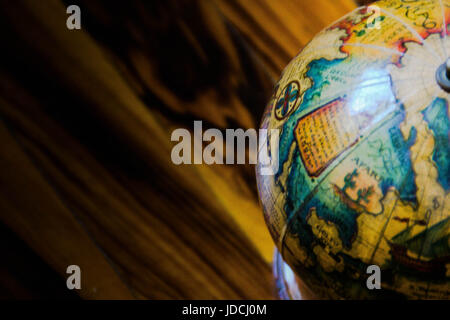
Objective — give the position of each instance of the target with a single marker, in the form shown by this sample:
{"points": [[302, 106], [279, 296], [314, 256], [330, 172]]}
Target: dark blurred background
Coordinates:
{"points": [[85, 123]]}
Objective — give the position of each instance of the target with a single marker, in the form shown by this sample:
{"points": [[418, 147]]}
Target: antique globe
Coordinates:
{"points": [[361, 190]]}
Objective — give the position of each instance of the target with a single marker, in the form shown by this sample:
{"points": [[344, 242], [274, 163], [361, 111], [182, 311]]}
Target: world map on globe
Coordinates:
{"points": [[364, 155]]}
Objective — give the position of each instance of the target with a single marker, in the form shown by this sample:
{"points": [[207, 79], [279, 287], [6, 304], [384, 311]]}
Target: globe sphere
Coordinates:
{"points": [[363, 180]]}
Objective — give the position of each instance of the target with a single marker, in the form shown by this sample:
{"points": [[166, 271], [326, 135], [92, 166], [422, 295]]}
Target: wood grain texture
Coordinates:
{"points": [[85, 122]]}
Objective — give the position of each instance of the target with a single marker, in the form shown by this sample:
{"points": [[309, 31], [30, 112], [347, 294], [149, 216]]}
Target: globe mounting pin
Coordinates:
{"points": [[443, 75]]}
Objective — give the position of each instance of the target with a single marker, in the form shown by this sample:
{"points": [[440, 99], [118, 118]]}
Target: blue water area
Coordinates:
{"points": [[319, 72], [385, 154], [394, 159], [436, 115]]}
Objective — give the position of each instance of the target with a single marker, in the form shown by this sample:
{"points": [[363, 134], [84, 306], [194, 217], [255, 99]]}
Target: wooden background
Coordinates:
{"points": [[85, 123]]}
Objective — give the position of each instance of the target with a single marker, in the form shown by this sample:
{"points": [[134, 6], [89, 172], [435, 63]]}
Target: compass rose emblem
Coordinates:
{"points": [[287, 101]]}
